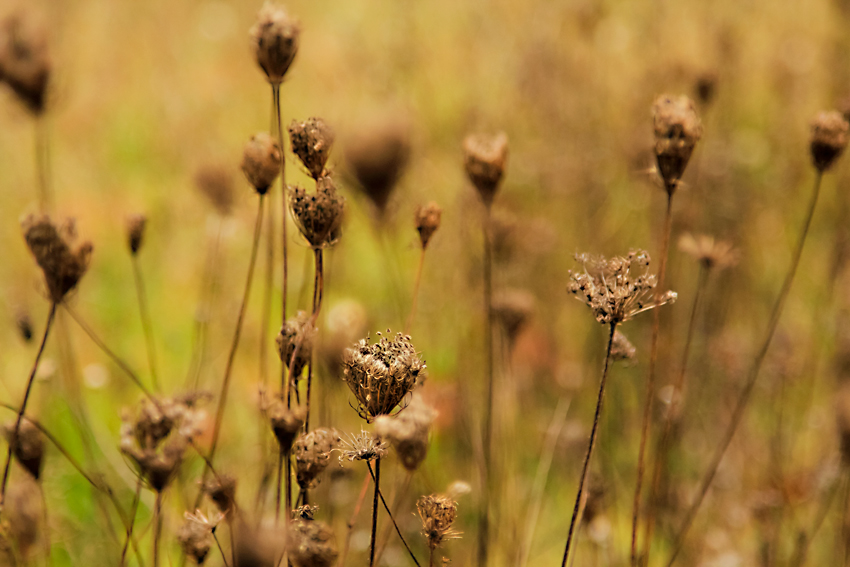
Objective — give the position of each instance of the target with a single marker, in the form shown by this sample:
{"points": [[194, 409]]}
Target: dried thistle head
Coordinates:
{"points": [[23, 510], [709, 252], [408, 431], [27, 445], [196, 535], [512, 309], [437, 513], [296, 335], [136, 232], [363, 447], [63, 263], [485, 158], [222, 491], [311, 544], [286, 422], [829, 138], [312, 455], [677, 130], [622, 349], [377, 155], [25, 63], [275, 41], [318, 215], [611, 289], [261, 161], [427, 221], [312, 141], [216, 182], [381, 374]]}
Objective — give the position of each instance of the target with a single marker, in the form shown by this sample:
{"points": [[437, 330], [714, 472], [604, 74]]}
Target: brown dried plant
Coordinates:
{"points": [[312, 141], [828, 138], [677, 130], [62, 262], [485, 159], [318, 215], [25, 62], [275, 38]]}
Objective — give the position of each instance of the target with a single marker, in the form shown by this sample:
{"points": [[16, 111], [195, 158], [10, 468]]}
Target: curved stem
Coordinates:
{"points": [[133, 511], [487, 436], [387, 508], [393, 510], [415, 299], [147, 328]]}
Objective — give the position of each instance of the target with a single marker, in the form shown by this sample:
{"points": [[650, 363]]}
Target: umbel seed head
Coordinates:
{"points": [[296, 335], [261, 161], [136, 232], [312, 141], [195, 539], [829, 138], [311, 544], [286, 423], [318, 215], [62, 264], [484, 159], [25, 63], [27, 445], [312, 455], [216, 182], [275, 40], [427, 221], [677, 129], [437, 513]]}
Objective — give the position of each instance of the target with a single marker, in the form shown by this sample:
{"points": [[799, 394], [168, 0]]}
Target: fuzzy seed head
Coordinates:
{"points": [[363, 447], [312, 141], [437, 513], [27, 445], [485, 159], [62, 262], [312, 455], [136, 232], [512, 309], [261, 161], [408, 431], [222, 491], [377, 155], [318, 215], [296, 340], [829, 138], [25, 63], [311, 544], [286, 422], [196, 537], [677, 130], [216, 182], [709, 252], [274, 37], [427, 221]]}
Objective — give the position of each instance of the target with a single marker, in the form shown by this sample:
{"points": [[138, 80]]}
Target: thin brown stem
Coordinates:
{"points": [[144, 313], [487, 436], [415, 299], [400, 493], [220, 550], [132, 523], [746, 392], [377, 478], [360, 499], [284, 198], [42, 158], [209, 286], [805, 541], [389, 513], [591, 442], [279, 483], [318, 285], [157, 527], [267, 296]]}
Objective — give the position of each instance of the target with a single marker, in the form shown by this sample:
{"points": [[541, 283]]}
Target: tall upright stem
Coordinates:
{"points": [[415, 299], [157, 527], [746, 392], [487, 435], [375, 512], [42, 159], [318, 285], [284, 199], [144, 313], [267, 296], [133, 510]]}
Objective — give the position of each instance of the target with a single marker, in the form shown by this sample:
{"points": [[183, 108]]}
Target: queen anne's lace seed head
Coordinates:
{"points": [[363, 447], [437, 513], [312, 454]]}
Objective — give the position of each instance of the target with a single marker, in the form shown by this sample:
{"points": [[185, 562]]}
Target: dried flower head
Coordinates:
{"points": [[512, 309], [27, 445], [377, 155], [24, 324], [427, 221], [222, 491], [363, 447], [63, 266], [275, 40], [216, 182], [381, 374], [437, 513], [622, 349], [196, 535], [136, 232], [257, 546], [829, 138], [23, 510], [312, 454], [484, 159], [286, 422], [408, 431], [261, 161], [312, 141], [677, 130], [709, 252], [612, 291], [318, 215], [25, 62], [311, 544], [296, 335], [842, 414]]}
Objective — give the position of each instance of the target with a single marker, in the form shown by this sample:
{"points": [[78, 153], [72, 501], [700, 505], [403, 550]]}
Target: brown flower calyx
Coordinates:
{"points": [[829, 138], [311, 544], [318, 215], [408, 431], [222, 491], [261, 161], [512, 309], [136, 232], [437, 513], [484, 160], [62, 263], [710, 253], [286, 422], [312, 141], [427, 219], [312, 455], [216, 183], [275, 37], [27, 445], [25, 63], [296, 340], [677, 130]]}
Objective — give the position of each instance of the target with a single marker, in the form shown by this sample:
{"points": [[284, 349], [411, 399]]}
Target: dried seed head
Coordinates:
{"points": [[312, 454], [612, 291], [677, 130], [829, 138], [842, 414], [257, 546], [512, 309], [427, 221], [216, 182], [136, 232], [24, 324], [27, 445], [63, 266], [437, 513], [195, 537], [705, 87], [484, 159], [312, 141], [311, 544], [408, 431], [286, 422], [222, 491], [275, 40], [25, 63], [363, 447], [377, 155], [709, 252], [261, 161], [296, 335], [381, 374], [623, 349], [23, 511], [318, 215]]}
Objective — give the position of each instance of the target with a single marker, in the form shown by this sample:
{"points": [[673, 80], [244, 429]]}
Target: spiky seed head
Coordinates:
{"points": [[25, 63], [512, 309], [27, 445], [195, 539], [312, 455], [286, 423], [311, 544], [363, 447], [622, 350], [677, 130], [63, 263], [222, 491], [377, 154], [427, 221], [709, 252], [312, 141], [408, 431], [275, 37], [829, 138], [437, 513], [485, 158], [216, 182], [318, 215], [136, 232], [296, 340], [261, 161]]}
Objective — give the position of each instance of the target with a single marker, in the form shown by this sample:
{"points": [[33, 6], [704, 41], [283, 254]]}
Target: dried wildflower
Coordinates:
{"points": [[23, 510], [196, 535], [25, 63], [677, 130], [484, 160], [312, 141], [275, 40], [296, 334], [27, 445], [612, 291], [311, 544], [63, 266], [261, 161], [136, 232], [381, 374], [318, 215], [437, 513], [305, 512], [427, 221], [377, 155], [257, 546], [622, 348], [216, 182], [24, 325], [363, 447], [312, 454], [829, 138], [286, 423], [512, 308], [709, 252], [222, 491], [408, 431]]}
